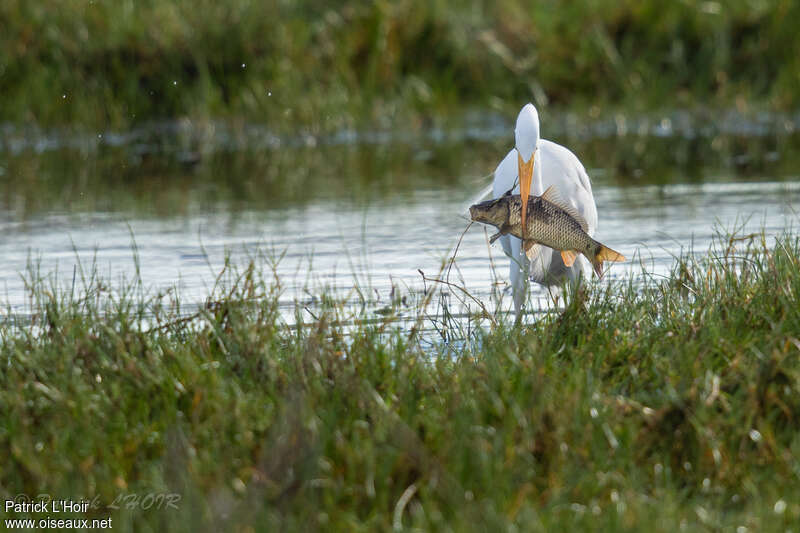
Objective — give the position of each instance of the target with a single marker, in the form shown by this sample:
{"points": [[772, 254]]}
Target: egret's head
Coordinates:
{"points": [[526, 135]]}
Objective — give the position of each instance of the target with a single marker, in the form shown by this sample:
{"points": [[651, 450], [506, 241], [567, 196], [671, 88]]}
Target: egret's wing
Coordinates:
{"points": [[562, 169], [505, 177]]}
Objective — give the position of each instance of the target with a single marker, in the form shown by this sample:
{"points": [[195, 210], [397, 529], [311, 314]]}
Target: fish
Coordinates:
{"points": [[551, 222]]}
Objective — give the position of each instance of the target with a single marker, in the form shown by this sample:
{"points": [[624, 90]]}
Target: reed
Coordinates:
{"points": [[328, 67]]}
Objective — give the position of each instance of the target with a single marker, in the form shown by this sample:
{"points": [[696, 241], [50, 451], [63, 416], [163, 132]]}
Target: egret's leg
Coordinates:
{"points": [[553, 292], [579, 276], [519, 276]]}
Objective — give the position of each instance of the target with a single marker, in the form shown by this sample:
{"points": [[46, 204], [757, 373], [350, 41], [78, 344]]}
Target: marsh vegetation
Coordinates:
{"points": [[673, 405], [325, 67]]}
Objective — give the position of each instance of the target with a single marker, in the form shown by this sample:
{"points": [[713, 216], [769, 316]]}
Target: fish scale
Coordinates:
{"points": [[550, 225]]}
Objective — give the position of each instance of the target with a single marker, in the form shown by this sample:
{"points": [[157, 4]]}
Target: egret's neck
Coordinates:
{"points": [[537, 185]]}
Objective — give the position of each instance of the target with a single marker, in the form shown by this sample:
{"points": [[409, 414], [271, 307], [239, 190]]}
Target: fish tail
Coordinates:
{"points": [[604, 253]]}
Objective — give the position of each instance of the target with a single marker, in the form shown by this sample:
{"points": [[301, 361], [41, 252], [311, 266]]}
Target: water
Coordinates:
{"points": [[357, 219]]}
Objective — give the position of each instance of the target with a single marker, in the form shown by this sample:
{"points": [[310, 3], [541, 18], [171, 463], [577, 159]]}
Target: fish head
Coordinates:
{"points": [[494, 212]]}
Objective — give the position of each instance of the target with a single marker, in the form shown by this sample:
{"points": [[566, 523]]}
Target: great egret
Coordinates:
{"points": [[532, 166]]}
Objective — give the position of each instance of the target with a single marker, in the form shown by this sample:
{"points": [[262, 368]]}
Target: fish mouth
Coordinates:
{"points": [[480, 212], [483, 212]]}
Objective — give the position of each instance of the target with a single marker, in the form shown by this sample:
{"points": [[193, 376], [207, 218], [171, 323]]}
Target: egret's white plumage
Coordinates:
{"points": [[553, 165]]}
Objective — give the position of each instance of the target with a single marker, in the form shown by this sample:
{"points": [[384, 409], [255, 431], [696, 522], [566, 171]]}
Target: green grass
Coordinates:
{"points": [[676, 405], [321, 67]]}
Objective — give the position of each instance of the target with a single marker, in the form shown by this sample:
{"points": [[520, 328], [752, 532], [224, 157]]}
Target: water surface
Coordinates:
{"points": [[363, 210]]}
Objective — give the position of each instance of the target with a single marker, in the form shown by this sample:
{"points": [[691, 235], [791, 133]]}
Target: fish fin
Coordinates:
{"points": [[532, 249], [552, 196], [605, 254], [568, 256], [503, 230]]}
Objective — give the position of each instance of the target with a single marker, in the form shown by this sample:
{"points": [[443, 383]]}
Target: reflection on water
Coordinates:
{"points": [[346, 212], [187, 168]]}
